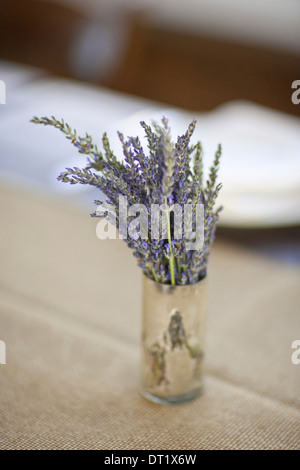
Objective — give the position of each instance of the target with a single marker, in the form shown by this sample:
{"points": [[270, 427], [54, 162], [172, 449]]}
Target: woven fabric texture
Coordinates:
{"points": [[70, 319]]}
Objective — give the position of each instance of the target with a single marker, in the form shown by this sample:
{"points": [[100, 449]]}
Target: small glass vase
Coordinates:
{"points": [[173, 328]]}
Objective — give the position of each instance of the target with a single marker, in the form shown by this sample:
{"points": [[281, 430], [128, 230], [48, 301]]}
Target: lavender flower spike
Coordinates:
{"points": [[163, 175]]}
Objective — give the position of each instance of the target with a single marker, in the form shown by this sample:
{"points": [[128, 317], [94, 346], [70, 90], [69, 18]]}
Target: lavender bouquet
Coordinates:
{"points": [[169, 175]]}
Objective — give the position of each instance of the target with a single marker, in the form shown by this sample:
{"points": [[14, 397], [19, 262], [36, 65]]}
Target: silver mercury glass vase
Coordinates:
{"points": [[173, 329]]}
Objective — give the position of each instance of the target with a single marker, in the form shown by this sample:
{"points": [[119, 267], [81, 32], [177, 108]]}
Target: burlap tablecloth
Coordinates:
{"points": [[70, 318]]}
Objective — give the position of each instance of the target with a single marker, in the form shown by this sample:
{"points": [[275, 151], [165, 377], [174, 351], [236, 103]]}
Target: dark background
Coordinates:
{"points": [[174, 65]]}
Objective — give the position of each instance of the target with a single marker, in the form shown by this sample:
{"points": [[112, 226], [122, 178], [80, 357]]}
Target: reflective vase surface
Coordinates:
{"points": [[173, 329]]}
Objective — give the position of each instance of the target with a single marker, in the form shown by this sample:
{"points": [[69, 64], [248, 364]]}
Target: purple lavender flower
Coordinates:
{"points": [[167, 174]]}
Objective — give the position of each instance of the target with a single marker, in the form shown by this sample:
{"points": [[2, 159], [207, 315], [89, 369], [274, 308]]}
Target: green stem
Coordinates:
{"points": [[171, 259], [154, 274], [172, 270]]}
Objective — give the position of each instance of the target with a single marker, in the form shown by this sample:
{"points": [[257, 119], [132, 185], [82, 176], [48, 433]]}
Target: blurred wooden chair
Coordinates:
{"points": [[38, 33], [66, 41], [199, 72]]}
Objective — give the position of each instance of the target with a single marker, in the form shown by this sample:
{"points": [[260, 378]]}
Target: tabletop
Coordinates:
{"points": [[70, 313]]}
